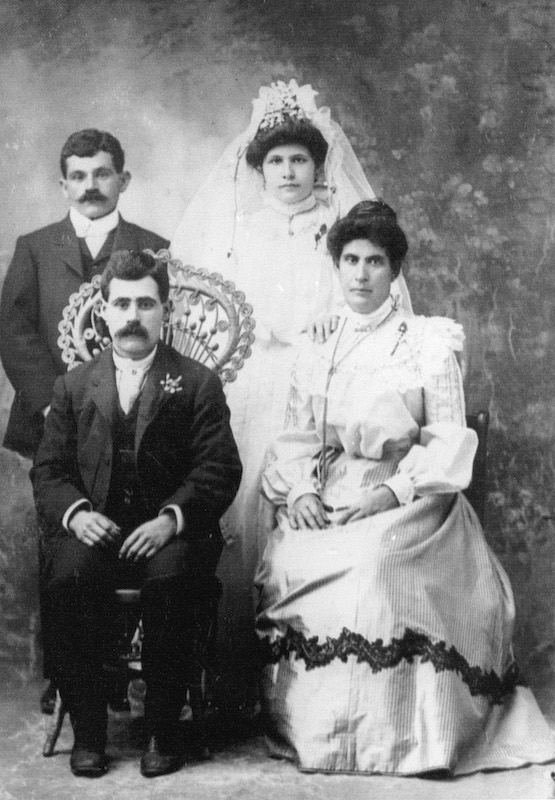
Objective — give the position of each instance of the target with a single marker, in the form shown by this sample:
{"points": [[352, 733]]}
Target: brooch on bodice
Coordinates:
{"points": [[320, 234], [401, 330], [172, 385]]}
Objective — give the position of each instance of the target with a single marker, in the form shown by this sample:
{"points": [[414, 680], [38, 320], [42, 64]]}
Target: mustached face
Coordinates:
{"points": [[133, 314], [92, 185]]}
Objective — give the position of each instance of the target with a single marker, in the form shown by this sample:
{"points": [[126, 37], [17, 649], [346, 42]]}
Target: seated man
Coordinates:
{"points": [[136, 466]]}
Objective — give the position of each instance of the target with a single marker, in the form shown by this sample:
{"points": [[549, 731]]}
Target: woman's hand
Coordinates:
{"points": [[376, 500], [322, 327], [308, 512]]}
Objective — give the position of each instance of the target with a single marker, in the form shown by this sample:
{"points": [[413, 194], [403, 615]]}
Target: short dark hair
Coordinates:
{"points": [[133, 265], [88, 143], [290, 131], [375, 221]]}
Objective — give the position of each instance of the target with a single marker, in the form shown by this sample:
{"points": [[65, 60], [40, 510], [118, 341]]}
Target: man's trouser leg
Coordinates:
{"points": [[175, 580], [79, 587]]}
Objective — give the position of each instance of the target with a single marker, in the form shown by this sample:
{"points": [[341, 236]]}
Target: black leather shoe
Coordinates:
{"points": [[88, 763], [155, 761]]}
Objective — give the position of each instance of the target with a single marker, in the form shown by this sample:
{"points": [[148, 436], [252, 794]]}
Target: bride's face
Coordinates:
{"points": [[289, 173], [365, 274]]}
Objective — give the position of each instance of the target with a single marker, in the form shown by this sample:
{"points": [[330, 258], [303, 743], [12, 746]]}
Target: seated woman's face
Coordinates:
{"points": [[365, 274], [289, 172]]}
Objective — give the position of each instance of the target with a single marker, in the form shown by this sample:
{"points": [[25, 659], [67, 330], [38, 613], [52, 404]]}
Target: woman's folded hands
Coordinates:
{"points": [[308, 511], [382, 498]]}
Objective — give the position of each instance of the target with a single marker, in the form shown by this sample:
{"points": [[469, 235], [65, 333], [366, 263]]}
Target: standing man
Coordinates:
{"points": [[136, 466], [50, 264]]}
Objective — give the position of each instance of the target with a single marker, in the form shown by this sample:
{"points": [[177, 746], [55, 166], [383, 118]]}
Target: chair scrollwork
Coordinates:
{"points": [[208, 320]]}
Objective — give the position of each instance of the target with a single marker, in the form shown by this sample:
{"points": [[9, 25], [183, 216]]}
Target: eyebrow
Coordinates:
{"points": [[76, 172], [141, 299], [347, 252]]}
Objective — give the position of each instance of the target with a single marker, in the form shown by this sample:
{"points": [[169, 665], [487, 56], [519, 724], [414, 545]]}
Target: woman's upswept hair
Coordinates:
{"points": [[133, 265], [290, 131], [375, 221]]}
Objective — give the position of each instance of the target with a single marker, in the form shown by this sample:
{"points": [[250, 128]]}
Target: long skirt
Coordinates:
{"points": [[387, 647], [257, 401]]}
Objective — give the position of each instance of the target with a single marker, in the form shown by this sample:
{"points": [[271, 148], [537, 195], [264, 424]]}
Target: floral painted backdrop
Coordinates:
{"points": [[449, 104]]}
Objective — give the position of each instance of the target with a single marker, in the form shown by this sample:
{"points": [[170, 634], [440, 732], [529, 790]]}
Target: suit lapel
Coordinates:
{"points": [[105, 394], [125, 238], [104, 391], [67, 247], [153, 395]]}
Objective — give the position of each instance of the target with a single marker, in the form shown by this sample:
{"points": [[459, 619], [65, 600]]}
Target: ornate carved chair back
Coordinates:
{"points": [[208, 320]]}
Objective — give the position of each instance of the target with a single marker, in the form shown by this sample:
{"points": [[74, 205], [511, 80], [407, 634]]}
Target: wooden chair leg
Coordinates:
{"points": [[54, 727]]}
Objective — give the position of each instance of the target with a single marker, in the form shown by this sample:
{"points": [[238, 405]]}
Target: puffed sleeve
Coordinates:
{"points": [[441, 462], [290, 471]]}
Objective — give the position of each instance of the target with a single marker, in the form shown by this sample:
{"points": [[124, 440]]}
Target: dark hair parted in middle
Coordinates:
{"points": [[290, 131], [375, 221], [133, 265]]}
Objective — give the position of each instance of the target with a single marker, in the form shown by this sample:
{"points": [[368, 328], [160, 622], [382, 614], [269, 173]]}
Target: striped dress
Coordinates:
{"points": [[387, 641]]}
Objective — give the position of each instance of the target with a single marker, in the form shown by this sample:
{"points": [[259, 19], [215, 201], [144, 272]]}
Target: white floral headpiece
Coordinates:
{"points": [[280, 100]]}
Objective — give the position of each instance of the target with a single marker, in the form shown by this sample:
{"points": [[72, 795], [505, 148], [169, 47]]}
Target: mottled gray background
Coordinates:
{"points": [[450, 106]]}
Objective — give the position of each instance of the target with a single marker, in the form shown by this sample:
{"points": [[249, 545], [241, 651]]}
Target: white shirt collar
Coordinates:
{"points": [[84, 226], [290, 209], [129, 365]]}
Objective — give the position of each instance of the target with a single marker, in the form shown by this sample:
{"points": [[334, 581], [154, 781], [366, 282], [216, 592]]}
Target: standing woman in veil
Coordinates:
{"points": [[261, 220]]}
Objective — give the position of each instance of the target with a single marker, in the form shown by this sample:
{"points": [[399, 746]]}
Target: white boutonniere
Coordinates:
{"points": [[172, 385]]}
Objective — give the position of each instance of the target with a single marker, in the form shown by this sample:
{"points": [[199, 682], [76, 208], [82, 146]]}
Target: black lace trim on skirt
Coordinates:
{"points": [[379, 657]]}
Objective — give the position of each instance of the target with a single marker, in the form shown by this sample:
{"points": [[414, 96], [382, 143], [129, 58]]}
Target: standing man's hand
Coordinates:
{"points": [[93, 529], [321, 328], [148, 538]]}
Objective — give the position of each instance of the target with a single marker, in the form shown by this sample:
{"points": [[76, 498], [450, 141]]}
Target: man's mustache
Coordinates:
{"points": [[132, 329], [92, 196]]}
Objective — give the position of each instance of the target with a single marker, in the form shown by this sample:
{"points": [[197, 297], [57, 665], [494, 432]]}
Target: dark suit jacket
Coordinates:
{"points": [[185, 451], [45, 270]]}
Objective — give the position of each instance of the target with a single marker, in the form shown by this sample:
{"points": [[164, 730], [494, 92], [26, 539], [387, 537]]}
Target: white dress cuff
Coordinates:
{"points": [[178, 517], [79, 505], [402, 487]]}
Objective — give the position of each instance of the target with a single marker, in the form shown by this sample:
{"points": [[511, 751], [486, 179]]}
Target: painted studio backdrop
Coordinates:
{"points": [[450, 106]]}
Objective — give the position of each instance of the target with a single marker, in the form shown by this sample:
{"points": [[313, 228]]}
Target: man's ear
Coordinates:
{"points": [[63, 184], [125, 179]]}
